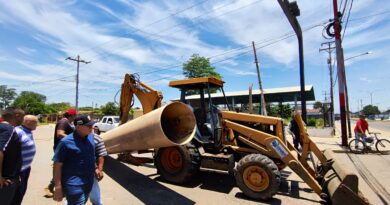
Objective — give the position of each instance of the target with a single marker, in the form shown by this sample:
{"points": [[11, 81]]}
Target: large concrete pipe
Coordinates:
{"points": [[173, 124]]}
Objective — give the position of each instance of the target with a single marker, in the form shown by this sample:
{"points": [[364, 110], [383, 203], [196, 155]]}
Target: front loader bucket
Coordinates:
{"points": [[171, 125], [341, 185]]}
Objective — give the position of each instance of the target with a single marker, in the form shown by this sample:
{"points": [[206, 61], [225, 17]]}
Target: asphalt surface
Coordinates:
{"points": [[129, 184], [384, 126]]}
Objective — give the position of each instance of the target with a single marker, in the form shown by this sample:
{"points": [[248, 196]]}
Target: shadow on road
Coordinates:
{"points": [[151, 192], [209, 180], [141, 186], [291, 187]]}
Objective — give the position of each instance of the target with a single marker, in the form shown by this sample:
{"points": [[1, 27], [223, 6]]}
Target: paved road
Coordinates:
{"points": [[384, 126], [128, 184]]}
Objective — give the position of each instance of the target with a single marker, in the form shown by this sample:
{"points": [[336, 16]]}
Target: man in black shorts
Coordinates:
{"points": [[63, 128]]}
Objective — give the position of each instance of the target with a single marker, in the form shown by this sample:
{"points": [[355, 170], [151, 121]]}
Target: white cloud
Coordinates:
{"points": [[116, 46], [240, 72], [27, 51], [364, 79]]}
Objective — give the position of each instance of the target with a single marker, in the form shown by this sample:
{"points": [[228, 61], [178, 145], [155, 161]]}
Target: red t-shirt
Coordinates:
{"points": [[361, 123]]}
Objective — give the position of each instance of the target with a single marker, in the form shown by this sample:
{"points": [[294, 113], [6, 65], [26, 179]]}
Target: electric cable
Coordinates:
{"points": [[346, 23]]}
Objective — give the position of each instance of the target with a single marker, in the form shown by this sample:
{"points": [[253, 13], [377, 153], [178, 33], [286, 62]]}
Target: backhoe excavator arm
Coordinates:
{"points": [[150, 99]]}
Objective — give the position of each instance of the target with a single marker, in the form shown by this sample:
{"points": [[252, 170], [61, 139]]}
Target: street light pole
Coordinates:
{"points": [[362, 54], [291, 11], [347, 96]]}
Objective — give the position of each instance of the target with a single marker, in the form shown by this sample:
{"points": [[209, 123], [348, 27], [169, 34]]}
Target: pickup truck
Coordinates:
{"points": [[106, 123]]}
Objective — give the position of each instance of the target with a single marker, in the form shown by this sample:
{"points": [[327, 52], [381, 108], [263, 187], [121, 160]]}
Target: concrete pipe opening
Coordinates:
{"points": [[178, 123]]}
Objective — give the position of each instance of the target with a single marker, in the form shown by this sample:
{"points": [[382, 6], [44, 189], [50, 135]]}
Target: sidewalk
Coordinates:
{"points": [[372, 168]]}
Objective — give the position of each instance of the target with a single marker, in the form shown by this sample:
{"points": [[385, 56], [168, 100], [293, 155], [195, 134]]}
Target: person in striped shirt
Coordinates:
{"points": [[25, 136], [100, 153]]}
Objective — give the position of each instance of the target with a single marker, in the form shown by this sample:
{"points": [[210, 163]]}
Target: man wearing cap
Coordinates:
{"points": [[63, 128], [74, 163], [361, 127]]}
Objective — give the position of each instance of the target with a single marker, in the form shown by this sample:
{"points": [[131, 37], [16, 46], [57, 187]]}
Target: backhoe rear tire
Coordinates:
{"points": [[177, 164], [257, 176]]}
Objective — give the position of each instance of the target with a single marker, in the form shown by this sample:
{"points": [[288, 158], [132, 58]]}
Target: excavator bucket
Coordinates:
{"points": [[341, 185], [171, 125]]}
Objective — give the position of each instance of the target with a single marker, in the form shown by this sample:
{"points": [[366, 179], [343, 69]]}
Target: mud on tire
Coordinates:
{"points": [[257, 176]]}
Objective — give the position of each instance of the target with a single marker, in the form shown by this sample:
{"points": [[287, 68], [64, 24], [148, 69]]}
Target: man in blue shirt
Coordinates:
{"points": [[74, 164], [10, 154]]}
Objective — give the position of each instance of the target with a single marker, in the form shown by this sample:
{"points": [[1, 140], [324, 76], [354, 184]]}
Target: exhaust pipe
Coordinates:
{"points": [[171, 125]]}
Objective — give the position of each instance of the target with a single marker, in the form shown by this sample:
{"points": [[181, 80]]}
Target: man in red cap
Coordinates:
{"points": [[63, 128]]}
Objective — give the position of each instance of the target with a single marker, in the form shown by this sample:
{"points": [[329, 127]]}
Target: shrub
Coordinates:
{"points": [[320, 123], [311, 122]]}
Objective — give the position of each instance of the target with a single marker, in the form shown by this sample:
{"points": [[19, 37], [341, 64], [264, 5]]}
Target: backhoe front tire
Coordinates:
{"points": [[177, 164], [257, 176]]}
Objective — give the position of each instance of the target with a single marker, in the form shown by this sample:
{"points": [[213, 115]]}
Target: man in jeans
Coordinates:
{"points": [[100, 152], [63, 128], [10, 154], [75, 163], [25, 136]]}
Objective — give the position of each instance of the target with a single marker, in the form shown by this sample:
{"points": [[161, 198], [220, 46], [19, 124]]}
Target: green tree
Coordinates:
{"points": [[110, 108], [285, 111], [371, 110], [198, 66], [31, 102], [55, 108], [272, 110], [6, 96], [318, 105], [87, 108]]}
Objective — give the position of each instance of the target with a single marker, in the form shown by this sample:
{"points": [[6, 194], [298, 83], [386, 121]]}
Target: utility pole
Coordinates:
{"points": [[291, 10], [340, 74], [250, 99], [263, 108], [329, 49], [347, 108], [77, 76], [371, 96]]}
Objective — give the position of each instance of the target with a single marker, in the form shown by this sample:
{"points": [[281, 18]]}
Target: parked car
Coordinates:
{"points": [[106, 123]]}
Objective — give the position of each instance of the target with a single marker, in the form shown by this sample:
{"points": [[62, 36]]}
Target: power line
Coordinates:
{"points": [[178, 65], [369, 16], [346, 23], [150, 24], [268, 43], [159, 36], [42, 82]]}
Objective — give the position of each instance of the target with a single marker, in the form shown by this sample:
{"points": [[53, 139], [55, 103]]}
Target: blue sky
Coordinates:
{"points": [[154, 38]]}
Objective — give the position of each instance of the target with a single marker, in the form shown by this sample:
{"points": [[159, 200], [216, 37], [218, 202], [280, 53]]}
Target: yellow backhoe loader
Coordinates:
{"points": [[251, 147]]}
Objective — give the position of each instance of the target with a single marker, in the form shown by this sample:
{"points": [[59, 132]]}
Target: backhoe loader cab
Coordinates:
{"points": [[208, 116]]}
